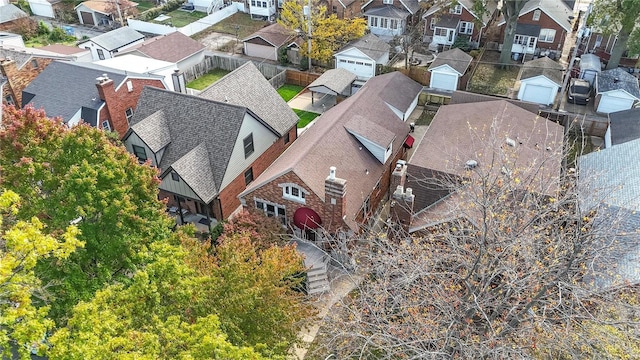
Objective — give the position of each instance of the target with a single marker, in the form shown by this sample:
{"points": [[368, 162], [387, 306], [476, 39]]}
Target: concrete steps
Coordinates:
{"points": [[317, 279]]}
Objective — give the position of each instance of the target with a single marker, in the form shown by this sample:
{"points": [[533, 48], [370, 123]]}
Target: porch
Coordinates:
{"points": [[199, 220]]}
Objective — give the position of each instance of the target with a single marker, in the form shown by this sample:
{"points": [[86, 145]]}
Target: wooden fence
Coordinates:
{"points": [[300, 78], [591, 125], [230, 63]]}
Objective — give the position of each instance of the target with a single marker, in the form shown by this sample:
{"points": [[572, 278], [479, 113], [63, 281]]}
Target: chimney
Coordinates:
{"points": [[400, 213], [114, 109], [178, 81], [15, 83], [399, 175], [105, 86], [335, 200]]}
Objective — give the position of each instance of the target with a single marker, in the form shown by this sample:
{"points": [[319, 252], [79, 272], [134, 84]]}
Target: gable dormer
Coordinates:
{"points": [[375, 138]]}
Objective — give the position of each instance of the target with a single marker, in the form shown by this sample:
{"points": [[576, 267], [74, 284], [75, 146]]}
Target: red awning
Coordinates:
{"points": [[305, 218], [408, 143]]}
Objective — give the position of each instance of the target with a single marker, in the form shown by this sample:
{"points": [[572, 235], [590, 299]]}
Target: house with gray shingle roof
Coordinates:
{"points": [[208, 148], [174, 48], [389, 18], [447, 68], [268, 42], [334, 82], [106, 45], [100, 96], [540, 80], [444, 22], [337, 173], [616, 90], [361, 56]]}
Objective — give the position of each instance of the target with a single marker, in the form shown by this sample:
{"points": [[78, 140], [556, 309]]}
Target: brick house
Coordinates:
{"points": [[389, 18], [344, 9], [20, 66], [542, 28], [11, 16], [210, 147], [489, 137], [443, 24], [338, 172], [100, 96]]}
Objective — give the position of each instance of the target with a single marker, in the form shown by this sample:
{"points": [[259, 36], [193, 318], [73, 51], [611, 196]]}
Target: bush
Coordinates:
{"points": [[474, 53], [43, 29], [304, 63], [462, 43]]}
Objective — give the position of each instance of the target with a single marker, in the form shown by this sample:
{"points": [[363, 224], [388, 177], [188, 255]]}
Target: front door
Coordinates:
{"points": [[451, 35]]}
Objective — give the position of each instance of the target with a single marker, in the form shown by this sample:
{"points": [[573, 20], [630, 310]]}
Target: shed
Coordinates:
{"points": [[267, 42], [590, 67], [616, 90], [334, 82], [447, 68], [540, 80]]}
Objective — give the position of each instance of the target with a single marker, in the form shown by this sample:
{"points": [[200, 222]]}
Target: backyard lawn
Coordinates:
{"points": [[288, 91], [144, 5], [207, 79], [305, 117], [243, 22], [492, 79], [180, 18]]}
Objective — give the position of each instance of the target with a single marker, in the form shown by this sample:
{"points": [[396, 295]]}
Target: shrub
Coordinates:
{"points": [[462, 43], [474, 53], [43, 29]]}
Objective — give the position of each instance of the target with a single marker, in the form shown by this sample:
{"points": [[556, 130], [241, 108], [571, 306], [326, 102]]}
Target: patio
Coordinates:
{"points": [[199, 220]]}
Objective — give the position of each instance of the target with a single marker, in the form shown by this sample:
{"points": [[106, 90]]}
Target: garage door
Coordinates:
{"points": [[537, 94], [443, 81], [87, 18], [362, 69], [609, 104], [260, 51]]}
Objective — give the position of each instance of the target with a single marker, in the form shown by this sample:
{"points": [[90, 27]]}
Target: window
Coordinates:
{"points": [[129, 86], [456, 9], [129, 114], [384, 23], [598, 41], [140, 153], [100, 54], [388, 2], [286, 138], [373, 21], [9, 100], [466, 28], [432, 23], [547, 35], [293, 192], [521, 40], [272, 210], [105, 125], [394, 24], [536, 15], [440, 32], [248, 176], [264, 4], [334, 9], [34, 64], [175, 176], [253, 2], [248, 145]]}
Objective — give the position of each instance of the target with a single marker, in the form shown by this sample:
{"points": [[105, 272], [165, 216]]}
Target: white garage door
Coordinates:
{"points": [[537, 94], [260, 51], [362, 69], [443, 81], [609, 104]]}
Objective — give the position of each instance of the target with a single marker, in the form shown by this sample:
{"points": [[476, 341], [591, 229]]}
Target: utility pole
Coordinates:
{"points": [[119, 12], [309, 34]]}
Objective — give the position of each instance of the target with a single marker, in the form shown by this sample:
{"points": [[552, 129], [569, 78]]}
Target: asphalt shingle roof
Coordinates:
{"points": [[117, 38], [172, 47], [543, 66], [624, 125], [387, 11], [370, 45], [154, 130], [275, 34], [617, 79], [247, 87], [10, 12], [456, 58], [337, 80], [22, 55]]}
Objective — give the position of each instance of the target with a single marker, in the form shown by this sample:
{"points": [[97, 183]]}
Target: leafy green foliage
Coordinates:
{"points": [[618, 17]]}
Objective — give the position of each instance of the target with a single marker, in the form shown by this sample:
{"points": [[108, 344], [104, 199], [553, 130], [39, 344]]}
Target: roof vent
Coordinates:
{"points": [[511, 142], [332, 173], [615, 80], [470, 164]]}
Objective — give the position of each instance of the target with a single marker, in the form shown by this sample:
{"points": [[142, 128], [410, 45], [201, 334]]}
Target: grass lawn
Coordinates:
{"points": [[305, 117], [246, 26], [493, 80], [181, 18], [144, 5], [426, 117], [288, 91], [207, 79]]}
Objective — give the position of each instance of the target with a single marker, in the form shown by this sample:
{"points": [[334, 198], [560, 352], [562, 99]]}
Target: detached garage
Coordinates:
{"points": [[361, 56], [540, 80], [616, 90], [267, 42], [447, 68], [43, 7]]}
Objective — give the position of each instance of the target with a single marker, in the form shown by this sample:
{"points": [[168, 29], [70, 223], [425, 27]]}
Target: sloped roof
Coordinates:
{"points": [[22, 55], [327, 143], [456, 58], [202, 134], [275, 34], [106, 7], [370, 45], [10, 12], [389, 11], [491, 7], [617, 79], [557, 10], [412, 5], [247, 87], [173, 47], [337, 80], [117, 38], [464, 97], [64, 49], [624, 125], [448, 21], [545, 67]]}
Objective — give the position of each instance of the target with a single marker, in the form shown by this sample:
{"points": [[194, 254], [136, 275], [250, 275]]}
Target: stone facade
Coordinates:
{"points": [[18, 79]]}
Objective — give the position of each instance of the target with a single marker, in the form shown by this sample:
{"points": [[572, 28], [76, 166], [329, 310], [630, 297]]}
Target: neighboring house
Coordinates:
{"points": [[131, 63], [269, 42], [489, 137], [337, 83], [262, 9], [344, 9], [104, 13], [175, 48], [540, 80], [105, 46], [624, 126], [443, 25], [210, 147], [616, 90], [389, 18], [80, 55], [542, 28], [45, 8], [8, 39], [362, 56], [20, 66], [10, 15], [337, 173], [447, 68], [100, 96], [207, 6]]}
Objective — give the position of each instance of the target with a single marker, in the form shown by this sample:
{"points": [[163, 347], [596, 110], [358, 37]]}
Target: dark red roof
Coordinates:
{"points": [[305, 218], [409, 141]]}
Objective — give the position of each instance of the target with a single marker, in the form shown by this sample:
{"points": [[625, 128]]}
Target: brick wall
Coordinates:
{"points": [[465, 16], [18, 79], [117, 102], [545, 22], [352, 10]]}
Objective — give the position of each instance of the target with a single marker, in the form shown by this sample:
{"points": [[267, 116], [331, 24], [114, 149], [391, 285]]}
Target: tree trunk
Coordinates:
{"points": [[507, 42], [619, 48]]}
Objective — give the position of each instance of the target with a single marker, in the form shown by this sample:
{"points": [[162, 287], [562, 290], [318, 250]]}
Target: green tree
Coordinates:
{"points": [[22, 245], [510, 11], [81, 175], [618, 17]]}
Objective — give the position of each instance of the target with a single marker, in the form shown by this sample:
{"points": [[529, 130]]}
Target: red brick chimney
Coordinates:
{"points": [[400, 213], [399, 175], [335, 200], [112, 110], [9, 70]]}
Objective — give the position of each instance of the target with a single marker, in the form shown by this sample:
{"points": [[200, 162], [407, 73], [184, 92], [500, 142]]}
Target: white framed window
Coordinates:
{"points": [[521, 40], [465, 28], [105, 125], [440, 32], [293, 192], [272, 209], [129, 86], [100, 54], [384, 23], [9, 100], [129, 114], [547, 35], [456, 9], [388, 2], [432, 23], [373, 21], [536, 15]]}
